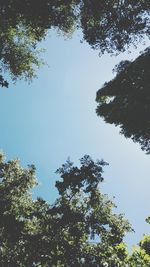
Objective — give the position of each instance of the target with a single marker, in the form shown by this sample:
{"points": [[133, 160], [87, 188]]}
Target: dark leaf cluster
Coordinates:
{"points": [[125, 101]]}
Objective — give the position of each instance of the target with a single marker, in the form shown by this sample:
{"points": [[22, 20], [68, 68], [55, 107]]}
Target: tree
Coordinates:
{"points": [[112, 26], [125, 101], [22, 25], [109, 26], [79, 229], [141, 254], [88, 214]]}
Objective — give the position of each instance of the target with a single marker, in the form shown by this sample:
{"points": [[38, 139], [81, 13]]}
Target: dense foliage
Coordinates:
{"points": [[79, 229], [106, 25], [125, 101], [22, 25], [113, 26]]}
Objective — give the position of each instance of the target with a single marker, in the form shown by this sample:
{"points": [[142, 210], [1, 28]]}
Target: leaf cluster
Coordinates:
{"points": [[125, 101]]}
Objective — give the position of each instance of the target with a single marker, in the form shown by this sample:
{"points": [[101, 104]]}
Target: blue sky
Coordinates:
{"points": [[54, 117]]}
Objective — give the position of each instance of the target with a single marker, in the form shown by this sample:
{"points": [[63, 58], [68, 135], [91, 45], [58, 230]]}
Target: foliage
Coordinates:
{"points": [[113, 26], [79, 229], [141, 254], [125, 101], [106, 25], [139, 258], [22, 25]]}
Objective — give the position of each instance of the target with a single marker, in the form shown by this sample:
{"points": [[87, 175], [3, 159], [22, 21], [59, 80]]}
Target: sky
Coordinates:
{"points": [[53, 118]]}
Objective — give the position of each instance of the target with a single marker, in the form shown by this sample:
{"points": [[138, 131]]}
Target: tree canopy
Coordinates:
{"points": [[22, 25], [113, 26], [79, 229], [106, 25], [125, 101]]}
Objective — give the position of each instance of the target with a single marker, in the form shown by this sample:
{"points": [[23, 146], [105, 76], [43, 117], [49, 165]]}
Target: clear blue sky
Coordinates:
{"points": [[54, 117]]}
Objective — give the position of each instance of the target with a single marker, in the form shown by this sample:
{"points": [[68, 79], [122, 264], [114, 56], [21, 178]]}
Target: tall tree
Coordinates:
{"points": [[125, 101], [79, 229], [85, 214]]}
